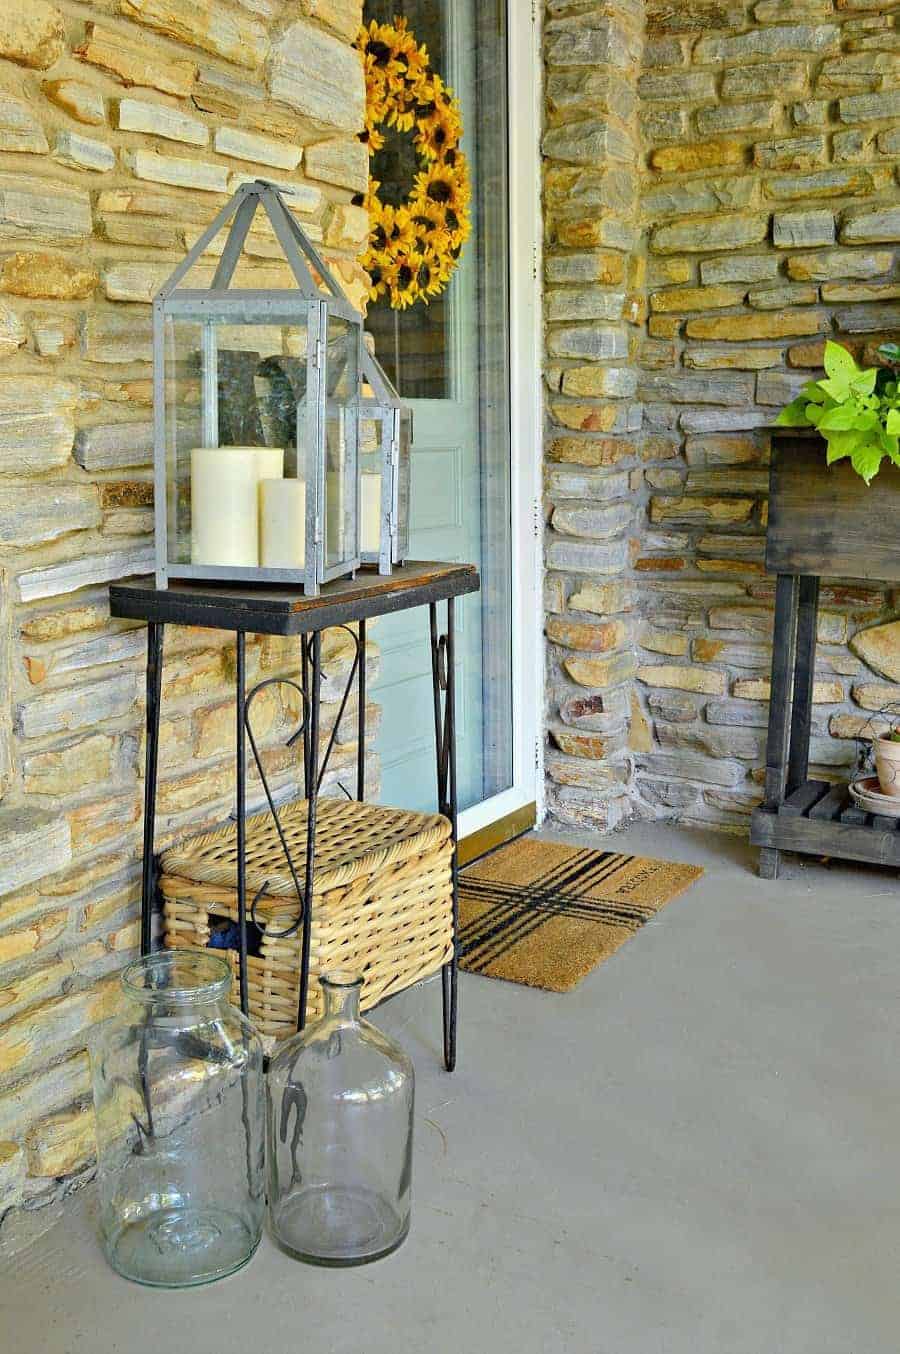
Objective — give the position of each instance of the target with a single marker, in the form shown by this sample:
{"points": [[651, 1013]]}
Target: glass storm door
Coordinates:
{"points": [[449, 360]]}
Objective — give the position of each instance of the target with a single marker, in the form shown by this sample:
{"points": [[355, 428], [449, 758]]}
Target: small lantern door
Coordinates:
{"points": [[385, 443]]}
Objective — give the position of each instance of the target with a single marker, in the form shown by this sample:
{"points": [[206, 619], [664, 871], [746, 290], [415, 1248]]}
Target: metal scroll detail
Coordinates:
{"points": [[313, 771]]}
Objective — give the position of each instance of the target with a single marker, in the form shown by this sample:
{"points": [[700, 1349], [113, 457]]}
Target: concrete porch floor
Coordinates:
{"points": [[696, 1152]]}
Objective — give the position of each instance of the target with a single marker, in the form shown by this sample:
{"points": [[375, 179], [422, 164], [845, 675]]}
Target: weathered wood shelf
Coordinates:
{"points": [[825, 520], [822, 522], [822, 819]]}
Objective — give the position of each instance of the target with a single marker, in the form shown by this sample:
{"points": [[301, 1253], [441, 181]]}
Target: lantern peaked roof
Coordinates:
{"points": [[299, 252], [374, 373]]}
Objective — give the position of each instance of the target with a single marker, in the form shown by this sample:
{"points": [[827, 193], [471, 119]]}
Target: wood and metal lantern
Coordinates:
{"points": [[385, 444], [256, 414]]}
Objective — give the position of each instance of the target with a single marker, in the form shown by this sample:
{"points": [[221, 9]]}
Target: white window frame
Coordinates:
{"points": [[526, 431]]}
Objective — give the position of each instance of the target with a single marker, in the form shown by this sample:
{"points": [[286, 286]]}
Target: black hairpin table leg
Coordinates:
{"points": [[155, 631], [240, 703], [450, 975], [444, 691], [241, 767], [304, 683], [315, 765], [361, 716], [312, 664]]}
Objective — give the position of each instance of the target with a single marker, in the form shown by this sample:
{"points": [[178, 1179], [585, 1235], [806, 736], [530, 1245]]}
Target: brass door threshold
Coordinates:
{"points": [[496, 834]]}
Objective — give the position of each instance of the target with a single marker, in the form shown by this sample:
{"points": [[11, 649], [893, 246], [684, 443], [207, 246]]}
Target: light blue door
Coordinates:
{"points": [[448, 360]]}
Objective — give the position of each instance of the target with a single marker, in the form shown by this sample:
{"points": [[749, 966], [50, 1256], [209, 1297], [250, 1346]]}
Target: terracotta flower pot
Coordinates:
{"points": [[887, 764]]}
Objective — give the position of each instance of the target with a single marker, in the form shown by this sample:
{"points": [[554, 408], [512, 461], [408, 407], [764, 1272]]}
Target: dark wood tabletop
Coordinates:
{"points": [[284, 610]]}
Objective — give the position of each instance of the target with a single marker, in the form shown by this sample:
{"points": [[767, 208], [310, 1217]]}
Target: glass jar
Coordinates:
{"points": [[179, 1103], [340, 1115]]}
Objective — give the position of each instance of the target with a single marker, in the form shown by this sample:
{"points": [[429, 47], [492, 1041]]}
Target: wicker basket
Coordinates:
{"points": [[382, 902]]}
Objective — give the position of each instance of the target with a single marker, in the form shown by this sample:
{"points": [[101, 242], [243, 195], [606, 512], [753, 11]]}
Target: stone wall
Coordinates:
{"points": [[124, 124], [595, 309], [770, 143]]}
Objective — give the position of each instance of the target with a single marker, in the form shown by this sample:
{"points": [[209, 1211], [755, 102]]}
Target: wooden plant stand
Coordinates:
{"points": [[822, 521]]}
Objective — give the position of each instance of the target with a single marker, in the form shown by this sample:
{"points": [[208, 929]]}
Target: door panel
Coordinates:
{"points": [[438, 491]]}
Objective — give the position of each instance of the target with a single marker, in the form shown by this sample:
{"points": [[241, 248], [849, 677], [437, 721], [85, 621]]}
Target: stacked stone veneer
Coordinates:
{"points": [[124, 125], [594, 305], [766, 141]]}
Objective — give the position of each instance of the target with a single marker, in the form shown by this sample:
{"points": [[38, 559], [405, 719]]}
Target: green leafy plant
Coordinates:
{"points": [[857, 411]]}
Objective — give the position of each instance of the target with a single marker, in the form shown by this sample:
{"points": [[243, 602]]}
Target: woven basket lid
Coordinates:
{"points": [[352, 839]]}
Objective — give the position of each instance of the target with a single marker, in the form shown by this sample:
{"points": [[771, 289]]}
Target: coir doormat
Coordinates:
{"points": [[543, 914]]}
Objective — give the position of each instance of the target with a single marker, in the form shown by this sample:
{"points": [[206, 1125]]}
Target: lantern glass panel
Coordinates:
{"points": [[183, 431], [237, 414], [386, 440], [404, 485], [375, 435], [341, 448]]}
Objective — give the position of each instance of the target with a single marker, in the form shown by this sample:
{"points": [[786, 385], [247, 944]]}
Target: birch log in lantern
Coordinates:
{"points": [[278, 371]]}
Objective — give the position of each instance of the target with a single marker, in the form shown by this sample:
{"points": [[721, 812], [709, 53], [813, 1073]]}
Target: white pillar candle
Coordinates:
{"points": [[224, 513], [271, 467], [334, 517], [370, 513], [282, 524], [271, 462], [225, 502]]}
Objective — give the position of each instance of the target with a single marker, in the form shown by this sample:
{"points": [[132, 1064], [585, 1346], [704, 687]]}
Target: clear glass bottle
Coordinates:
{"points": [[340, 1115], [179, 1103]]}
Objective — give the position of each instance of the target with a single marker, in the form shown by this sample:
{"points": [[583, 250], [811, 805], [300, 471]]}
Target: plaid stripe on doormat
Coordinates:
{"points": [[543, 914]]}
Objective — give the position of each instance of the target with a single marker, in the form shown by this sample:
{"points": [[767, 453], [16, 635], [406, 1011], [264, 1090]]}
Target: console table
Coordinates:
{"points": [[252, 609], [822, 521]]}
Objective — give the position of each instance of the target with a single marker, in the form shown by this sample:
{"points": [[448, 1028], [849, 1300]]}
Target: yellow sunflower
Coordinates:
{"points": [[437, 132], [402, 274], [378, 283], [415, 57], [435, 267], [401, 116], [392, 227], [428, 217], [440, 185], [381, 44]]}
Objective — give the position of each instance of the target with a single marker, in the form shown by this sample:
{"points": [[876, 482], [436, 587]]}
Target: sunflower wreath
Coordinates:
{"points": [[413, 249]]}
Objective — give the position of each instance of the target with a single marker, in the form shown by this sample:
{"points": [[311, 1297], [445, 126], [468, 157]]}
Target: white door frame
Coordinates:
{"points": [[526, 405]]}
